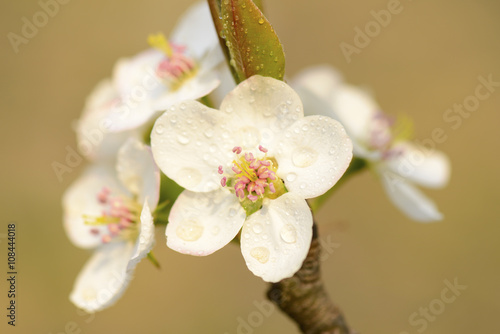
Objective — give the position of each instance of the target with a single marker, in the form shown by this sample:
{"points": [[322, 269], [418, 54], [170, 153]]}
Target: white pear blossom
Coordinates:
{"points": [[400, 164], [95, 140], [249, 167], [186, 67], [108, 209]]}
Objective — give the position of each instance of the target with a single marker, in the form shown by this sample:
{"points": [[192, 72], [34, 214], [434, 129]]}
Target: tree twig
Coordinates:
{"points": [[304, 299]]}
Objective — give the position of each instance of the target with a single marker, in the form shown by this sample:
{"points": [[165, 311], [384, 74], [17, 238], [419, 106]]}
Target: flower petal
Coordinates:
{"points": [[321, 80], [104, 277], [189, 141], [196, 30], [138, 171], [276, 239], [138, 72], [262, 108], [355, 109], [95, 141], [202, 83], [409, 198], [429, 168], [312, 155], [145, 240], [202, 223], [81, 199], [138, 86]]}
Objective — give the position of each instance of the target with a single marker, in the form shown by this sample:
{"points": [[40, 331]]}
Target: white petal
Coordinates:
{"points": [[104, 277], [355, 109], [95, 141], [408, 198], [313, 104], [189, 142], [138, 87], [429, 168], [322, 80], [276, 239], [196, 30], [202, 223], [312, 155], [138, 171], [262, 107], [139, 71], [145, 240], [81, 199], [201, 84]]}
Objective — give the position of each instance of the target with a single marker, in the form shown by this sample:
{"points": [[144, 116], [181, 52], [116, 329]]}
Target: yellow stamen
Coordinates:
{"points": [[101, 220], [159, 42]]}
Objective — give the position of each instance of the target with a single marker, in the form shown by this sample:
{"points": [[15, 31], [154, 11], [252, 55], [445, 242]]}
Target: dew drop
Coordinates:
{"points": [[209, 133], [183, 138], [261, 20], [232, 212], [189, 230], [304, 156], [249, 137], [159, 128], [261, 254], [288, 234], [215, 230], [189, 177], [257, 228], [291, 177]]}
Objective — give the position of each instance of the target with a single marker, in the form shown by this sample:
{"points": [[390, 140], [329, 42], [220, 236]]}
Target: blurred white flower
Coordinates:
{"points": [[249, 166], [186, 67], [377, 139], [109, 210]]}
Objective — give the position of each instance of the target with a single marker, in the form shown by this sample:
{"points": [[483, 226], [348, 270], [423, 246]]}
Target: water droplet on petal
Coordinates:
{"points": [[290, 177], [289, 234], [232, 212], [215, 230], [188, 177], [304, 156], [257, 228], [189, 230], [209, 133], [261, 254], [183, 138], [159, 128], [261, 20], [249, 137]]}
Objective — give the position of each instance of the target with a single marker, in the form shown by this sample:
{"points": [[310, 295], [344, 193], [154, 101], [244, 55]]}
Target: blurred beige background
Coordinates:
{"points": [[384, 267]]}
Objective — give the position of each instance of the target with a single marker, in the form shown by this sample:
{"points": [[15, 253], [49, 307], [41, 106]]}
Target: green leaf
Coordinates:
{"points": [[253, 45]]}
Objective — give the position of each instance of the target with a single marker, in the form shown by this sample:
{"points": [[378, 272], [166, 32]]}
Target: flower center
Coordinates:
{"points": [[119, 214], [252, 178], [385, 131], [176, 68]]}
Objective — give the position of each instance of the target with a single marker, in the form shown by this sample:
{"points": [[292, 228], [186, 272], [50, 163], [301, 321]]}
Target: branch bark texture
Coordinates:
{"points": [[304, 298]]}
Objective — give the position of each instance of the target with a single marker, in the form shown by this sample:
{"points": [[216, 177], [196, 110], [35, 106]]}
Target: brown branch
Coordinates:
{"points": [[304, 298]]}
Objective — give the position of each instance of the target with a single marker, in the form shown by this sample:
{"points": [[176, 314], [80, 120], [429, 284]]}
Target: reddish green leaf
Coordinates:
{"points": [[253, 45]]}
